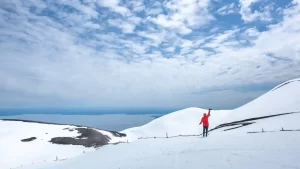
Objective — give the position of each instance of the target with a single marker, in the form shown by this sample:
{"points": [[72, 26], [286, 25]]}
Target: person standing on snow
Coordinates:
{"points": [[205, 122]]}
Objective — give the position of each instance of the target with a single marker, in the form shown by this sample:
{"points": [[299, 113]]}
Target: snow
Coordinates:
{"points": [[185, 122], [227, 151], [281, 100], [19, 153], [233, 149]]}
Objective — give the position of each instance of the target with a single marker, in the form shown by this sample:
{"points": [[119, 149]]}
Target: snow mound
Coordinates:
{"points": [[183, 122]]}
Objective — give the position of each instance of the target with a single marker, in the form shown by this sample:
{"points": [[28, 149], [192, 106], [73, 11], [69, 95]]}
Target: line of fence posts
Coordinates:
{"points": [[180, 135], [262, 130], [167, 136]]}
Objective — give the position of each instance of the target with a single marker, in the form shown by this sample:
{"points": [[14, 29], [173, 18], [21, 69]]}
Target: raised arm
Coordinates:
{"points": [[208, 112]]}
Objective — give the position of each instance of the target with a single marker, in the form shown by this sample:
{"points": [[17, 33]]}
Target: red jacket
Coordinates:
{"points": [[204, 119]]}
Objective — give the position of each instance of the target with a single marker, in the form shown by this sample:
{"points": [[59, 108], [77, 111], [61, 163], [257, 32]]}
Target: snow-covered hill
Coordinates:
{"points": [[183, 122], [284, 98], [243, 146], [15, 152]]}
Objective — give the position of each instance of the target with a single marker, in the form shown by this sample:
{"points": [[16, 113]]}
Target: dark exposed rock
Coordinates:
{"points": [[117, 134], [88, 138], [245, 122], [68, 129], [241, 125], [28, 139]]}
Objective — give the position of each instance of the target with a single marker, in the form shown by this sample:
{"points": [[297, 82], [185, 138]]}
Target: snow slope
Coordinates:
{"points": [[183, 122], [286, 98], [15, 153], [283, 98]]}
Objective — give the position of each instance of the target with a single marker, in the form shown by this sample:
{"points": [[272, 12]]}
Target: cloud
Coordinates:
{"points": [[115, 53], [182, 16], [136, 6], [170, 49], [154, 11], [114, 5], [171, 23], [249, 13], [227, 9], [126, 27]]}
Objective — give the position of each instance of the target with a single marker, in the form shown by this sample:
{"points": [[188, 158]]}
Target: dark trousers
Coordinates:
{"points": [[205, 131]]}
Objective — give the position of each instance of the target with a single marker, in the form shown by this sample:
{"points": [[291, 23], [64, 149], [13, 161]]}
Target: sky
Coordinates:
{"points": [[142, 53]]}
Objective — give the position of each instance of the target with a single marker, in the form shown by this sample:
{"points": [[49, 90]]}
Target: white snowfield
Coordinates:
{"points": [[224, 151], [15, 153], [232, 149]]}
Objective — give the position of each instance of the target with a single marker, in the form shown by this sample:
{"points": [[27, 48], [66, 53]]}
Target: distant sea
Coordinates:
{"points": [[82, 111], [107, 119]]}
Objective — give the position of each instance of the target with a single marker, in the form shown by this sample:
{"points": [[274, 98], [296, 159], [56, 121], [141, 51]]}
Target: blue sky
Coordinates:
{"points": [[117, 53]]}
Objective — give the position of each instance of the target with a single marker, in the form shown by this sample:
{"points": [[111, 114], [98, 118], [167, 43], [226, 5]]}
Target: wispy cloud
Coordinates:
{"points": [[227, 9]]}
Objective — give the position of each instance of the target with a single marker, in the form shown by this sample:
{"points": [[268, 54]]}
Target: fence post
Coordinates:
{"points": [[282, 129], [167, 135], [262, 130]]}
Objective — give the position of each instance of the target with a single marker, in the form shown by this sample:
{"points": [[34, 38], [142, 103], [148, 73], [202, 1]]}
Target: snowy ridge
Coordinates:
{"points": [[285, 83], [284, 98]]}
